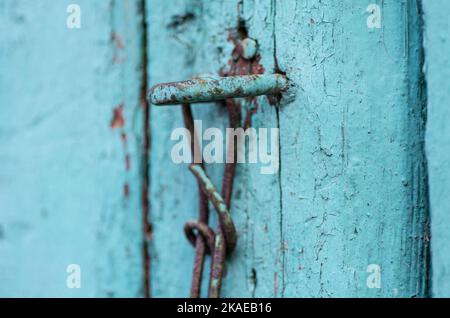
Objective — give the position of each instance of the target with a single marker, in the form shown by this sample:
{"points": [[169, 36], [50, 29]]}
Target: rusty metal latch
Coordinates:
{"points": [[211, 88], [223, 89]]}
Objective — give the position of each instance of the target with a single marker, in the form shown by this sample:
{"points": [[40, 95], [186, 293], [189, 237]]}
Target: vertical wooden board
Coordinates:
{"points": [[437, 48], [260, 200], [352, 169], [172, 188], [186, 39], [70, 187], [253, 268]]}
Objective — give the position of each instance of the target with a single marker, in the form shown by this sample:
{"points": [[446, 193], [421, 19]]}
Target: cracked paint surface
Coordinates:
{"points": [[352, 181], [67, 195], [437, 46], [351, 186]]}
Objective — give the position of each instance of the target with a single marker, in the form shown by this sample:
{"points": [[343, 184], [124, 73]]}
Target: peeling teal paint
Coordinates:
{"points": [[351, 193], [214, 88], [63, 172], [352, 185]]}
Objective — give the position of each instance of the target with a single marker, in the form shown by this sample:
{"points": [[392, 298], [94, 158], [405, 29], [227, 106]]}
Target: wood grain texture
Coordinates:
{"points": [[70, 187], [351, 190], [353, 176], [189, 38], [437, 47], [352, 186]]}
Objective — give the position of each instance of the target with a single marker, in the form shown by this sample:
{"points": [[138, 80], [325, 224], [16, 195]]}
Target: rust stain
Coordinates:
{"points": [[119, 55], [251, 112], [237, 65], [118, 121], [147, 226], [124, 138]]}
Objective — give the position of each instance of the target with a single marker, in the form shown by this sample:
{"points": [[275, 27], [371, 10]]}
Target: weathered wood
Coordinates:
{"points": [[351, 190], [172, 188], [70, 187], [437, 48], [353, 176]]}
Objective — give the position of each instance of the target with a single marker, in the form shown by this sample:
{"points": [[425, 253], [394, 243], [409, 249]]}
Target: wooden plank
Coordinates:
{"points": [[70, 189], [353, 174], [189, 38], [437, 47]]}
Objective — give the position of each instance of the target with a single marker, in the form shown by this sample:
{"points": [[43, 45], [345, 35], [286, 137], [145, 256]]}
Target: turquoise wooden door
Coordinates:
{"points": [[71, 141], [92, 205]]}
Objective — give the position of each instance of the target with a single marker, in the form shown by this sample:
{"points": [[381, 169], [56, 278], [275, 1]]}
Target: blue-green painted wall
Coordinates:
{"points": [[63, 169], [352, 186]]}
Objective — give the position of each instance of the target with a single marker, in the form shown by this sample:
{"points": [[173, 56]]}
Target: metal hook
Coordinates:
{"points": [[209, 89]]}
